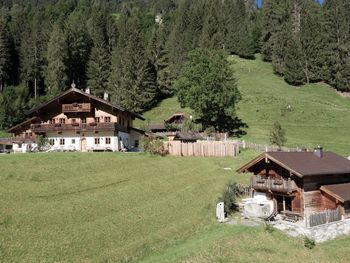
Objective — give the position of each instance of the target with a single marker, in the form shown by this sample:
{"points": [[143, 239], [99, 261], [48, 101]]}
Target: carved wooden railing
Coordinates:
{"points": [[76, 107], [282, 186], [58, 127]]}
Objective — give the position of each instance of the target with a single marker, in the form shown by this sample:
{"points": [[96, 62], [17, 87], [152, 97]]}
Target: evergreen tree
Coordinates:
{"points": [[293, 69], [56, 77], [5, 53], [99, 61], [79, 46], [133, 82], [337, 29]]}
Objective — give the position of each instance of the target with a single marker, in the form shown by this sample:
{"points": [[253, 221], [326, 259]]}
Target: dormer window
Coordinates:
{"points": [[97, 119], [62, 120], [107, 119]]}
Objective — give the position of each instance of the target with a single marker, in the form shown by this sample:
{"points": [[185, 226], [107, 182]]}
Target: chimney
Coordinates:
{"points": [[318, 151], [106, 96], [87, 90]]}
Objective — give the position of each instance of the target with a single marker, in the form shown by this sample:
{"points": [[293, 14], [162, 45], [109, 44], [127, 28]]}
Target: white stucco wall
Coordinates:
{"points": [[90, 141]]}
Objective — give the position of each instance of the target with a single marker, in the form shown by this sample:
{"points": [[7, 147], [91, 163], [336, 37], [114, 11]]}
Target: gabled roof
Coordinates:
{"points": [[304, 163], [24, 123], [340, 192], [75, 90], [188, 136], [176, 114]]}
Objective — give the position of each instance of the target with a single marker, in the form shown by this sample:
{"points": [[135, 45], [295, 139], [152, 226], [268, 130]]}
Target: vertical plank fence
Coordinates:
{"points": [[325, 217], [203, 148]]}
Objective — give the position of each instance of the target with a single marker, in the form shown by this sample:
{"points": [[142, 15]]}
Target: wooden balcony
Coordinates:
{"points": [[104, 126], [76, 107], [267, 184]]}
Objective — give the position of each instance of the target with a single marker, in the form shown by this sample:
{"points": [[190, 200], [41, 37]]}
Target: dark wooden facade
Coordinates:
{"points": [[295, 180]]}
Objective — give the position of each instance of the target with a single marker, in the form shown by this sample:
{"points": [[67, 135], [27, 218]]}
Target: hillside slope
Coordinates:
{"points": [[311, 115]]}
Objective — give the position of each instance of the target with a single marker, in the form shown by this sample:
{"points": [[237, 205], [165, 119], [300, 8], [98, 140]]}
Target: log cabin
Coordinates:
{"points": [[79, 121], [302, 183]]}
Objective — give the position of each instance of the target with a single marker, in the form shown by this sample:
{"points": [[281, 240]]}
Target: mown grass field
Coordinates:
{"points": [[108, 207], [317, 115]]}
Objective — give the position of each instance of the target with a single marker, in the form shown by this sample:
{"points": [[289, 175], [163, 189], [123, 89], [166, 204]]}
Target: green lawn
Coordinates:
{"points": [[107, 207], [317, 115]]}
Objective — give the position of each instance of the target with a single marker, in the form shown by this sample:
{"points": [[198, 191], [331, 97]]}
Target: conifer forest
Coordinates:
{"points": [[136, 50]]}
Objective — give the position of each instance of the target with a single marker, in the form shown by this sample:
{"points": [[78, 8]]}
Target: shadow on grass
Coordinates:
{"points": [[83, 190]]}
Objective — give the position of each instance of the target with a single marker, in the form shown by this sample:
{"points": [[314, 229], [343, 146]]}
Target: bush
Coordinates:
{"points": [[309, 242], [229, 196], [153, 145]]}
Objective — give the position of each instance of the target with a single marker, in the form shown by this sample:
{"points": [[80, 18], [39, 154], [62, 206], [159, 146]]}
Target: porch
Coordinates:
{"points": [[273, 185]]}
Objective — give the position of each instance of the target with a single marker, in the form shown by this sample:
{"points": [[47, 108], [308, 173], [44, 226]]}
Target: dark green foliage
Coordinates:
{"points": [[309, 242], [278, 135], [5, 53], [207, 85], [57, 58], [153, 145], [41, 142], [293, 67], [230, 194]]}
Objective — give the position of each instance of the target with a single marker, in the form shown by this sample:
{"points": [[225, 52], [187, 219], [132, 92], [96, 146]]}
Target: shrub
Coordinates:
{"points": [[268, 228], [42, 142], [229, 196], [309, 242], [153, 145]]}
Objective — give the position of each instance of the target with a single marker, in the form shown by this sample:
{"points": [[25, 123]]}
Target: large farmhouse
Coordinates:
{"points": [[79, 121], [302, 183]]}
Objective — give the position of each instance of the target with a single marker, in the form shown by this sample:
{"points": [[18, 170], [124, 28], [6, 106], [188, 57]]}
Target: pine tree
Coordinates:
{"points": [[56, 77], [133, 81], [5, 53], [99, 61], [293, 68], [337, 29], [79, 46]]}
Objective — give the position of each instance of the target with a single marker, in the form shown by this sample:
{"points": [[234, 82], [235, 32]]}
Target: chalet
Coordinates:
{"points": [[302, 183], [173, 122], [79, 121]]}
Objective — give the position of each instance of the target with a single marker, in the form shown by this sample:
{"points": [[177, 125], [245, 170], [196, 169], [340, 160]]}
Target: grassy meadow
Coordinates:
{"points": [[311, 115], [107, 207]]}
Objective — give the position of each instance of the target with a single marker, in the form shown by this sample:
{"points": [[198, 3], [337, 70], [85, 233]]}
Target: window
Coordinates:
{"points": [[97, 141], [97, 119], [74, 120], [83, 120], [107, 119], [136, 143], [52, 142], [62, 141], [73, 141], [62, 120], [53, 121], [108, 140]]}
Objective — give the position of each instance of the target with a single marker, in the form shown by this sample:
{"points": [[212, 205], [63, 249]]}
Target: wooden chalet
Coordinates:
{"points": [[302, 183], [172, 123], [76, 120]]}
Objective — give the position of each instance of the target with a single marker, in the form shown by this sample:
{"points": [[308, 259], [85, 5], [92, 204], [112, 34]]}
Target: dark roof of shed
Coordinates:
{"points": [[86, 95], [188, 136], [340, 192], [305, 163]]}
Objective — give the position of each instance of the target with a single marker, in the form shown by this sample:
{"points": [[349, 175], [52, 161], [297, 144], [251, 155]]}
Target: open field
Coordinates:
{"points": [[316, 114], [107, 207]]}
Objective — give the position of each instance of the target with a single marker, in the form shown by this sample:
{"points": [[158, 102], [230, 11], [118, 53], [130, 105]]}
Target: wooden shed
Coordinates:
{"points": [[302, 182]]}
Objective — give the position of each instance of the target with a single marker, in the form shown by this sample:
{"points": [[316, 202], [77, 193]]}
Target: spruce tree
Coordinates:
{"points": [[293, 68], [337, 30], [5, 53], [56, 78], [98, 67], [133, 80]]}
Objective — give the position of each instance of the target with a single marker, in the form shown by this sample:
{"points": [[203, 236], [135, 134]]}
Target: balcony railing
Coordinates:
{"points": [[282, 186], [58, 127], [76, 107]]}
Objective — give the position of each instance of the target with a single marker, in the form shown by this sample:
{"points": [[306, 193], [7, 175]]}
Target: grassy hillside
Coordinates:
{"points": [[73, 207], [316, 114]]}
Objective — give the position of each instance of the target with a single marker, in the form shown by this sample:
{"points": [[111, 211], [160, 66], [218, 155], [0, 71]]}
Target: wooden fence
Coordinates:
{"points": [[325, 217], [269, 148], [203, 148]]}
